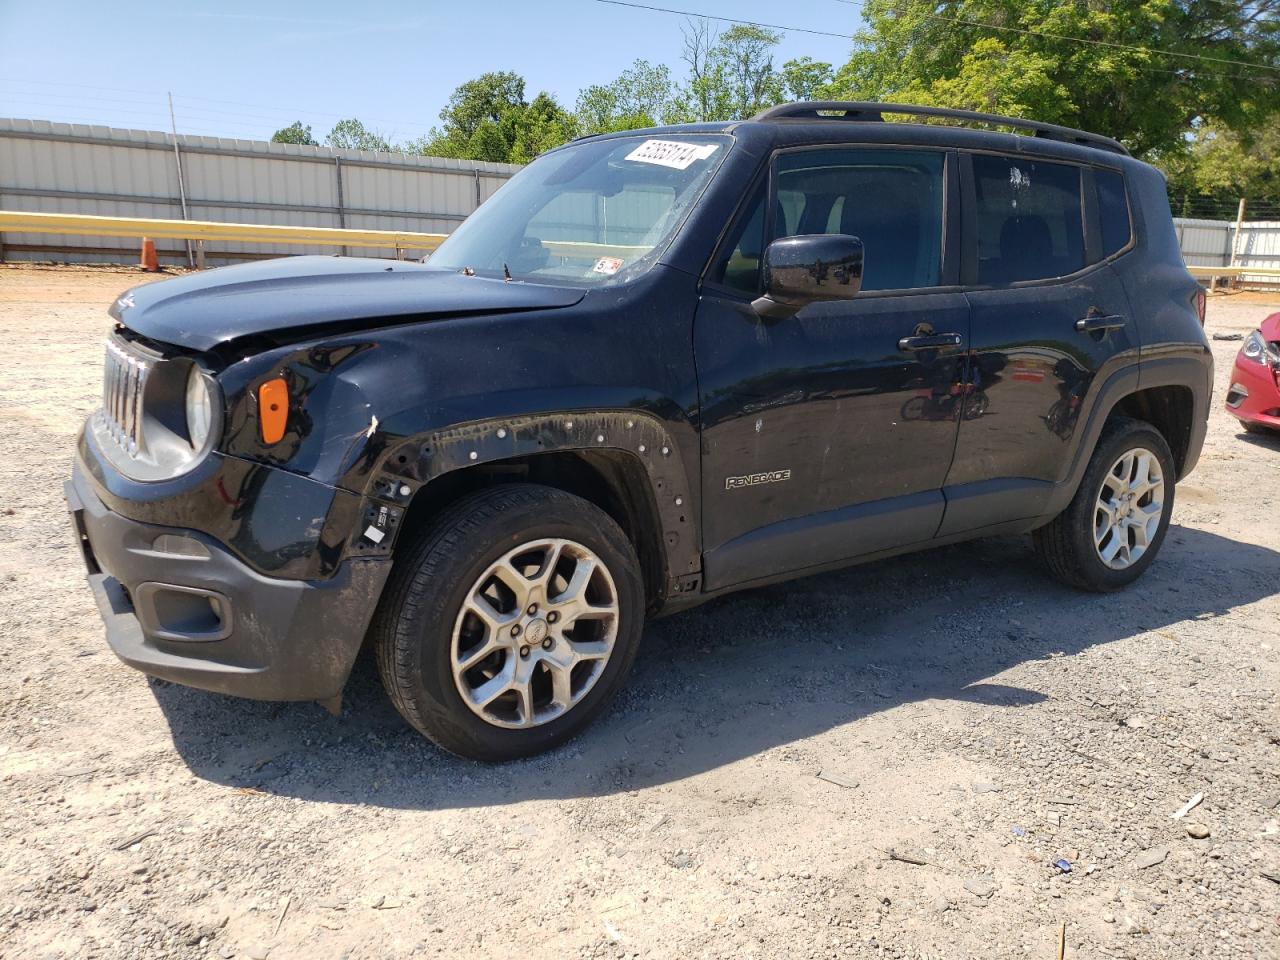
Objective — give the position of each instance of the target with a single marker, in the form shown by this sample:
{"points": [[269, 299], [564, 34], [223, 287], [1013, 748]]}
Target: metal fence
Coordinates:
{"points": [[73, 168], [1212, 243]]}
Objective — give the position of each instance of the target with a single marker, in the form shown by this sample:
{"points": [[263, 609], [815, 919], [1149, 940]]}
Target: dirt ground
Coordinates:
{"points": [[741, 799]]}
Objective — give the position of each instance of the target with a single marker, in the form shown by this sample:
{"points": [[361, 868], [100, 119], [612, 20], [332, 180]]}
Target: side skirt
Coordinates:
{"points": [[1009, 528], [833, 536]]}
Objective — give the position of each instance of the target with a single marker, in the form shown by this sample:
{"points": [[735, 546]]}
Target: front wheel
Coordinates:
{"points": [[512, 624], [1114, 526]]}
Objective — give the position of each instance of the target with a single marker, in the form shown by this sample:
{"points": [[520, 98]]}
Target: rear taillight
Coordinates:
{"points": [[1200, 302]]}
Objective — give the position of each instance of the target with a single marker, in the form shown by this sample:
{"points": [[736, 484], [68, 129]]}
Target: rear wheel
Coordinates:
{"points": [[914, 408], [512, 624], [1114, 526]]}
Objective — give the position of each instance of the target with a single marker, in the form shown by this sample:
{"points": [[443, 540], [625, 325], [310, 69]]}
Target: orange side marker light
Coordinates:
{"points": [[273, 409]]}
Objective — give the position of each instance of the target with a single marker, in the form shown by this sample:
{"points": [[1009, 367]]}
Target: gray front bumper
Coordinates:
{"points": [[178, 605]]}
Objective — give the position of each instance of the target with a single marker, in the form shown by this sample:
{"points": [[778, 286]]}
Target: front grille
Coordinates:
{"points": [[124, 381]]}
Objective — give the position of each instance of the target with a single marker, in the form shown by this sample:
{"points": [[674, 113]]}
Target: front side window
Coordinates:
{"points": [[889, 199], [892, 200], [591, 213], [1028, 218]]}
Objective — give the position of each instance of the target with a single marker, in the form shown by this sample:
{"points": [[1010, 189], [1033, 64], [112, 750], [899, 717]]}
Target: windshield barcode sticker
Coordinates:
{"points": [[669, 153]]}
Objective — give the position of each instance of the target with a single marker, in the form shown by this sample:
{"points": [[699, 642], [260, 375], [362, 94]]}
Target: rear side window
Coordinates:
{"points": [[1113, 211], [890, 199], [1028, 217]]}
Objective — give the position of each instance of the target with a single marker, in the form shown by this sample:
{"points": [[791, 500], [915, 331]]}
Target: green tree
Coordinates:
{"points": [[1222, 166], [994, 79], [805, 78], [488, 119], [705, 94], [295, 133], [353, 135], [479, 106], [747, 55], [643, 95], [543, 125], [731, 75], [1093, 65]]}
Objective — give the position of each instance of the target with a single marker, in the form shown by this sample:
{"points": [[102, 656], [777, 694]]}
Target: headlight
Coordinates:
{"points": [[199, 408], [1258, 350]]}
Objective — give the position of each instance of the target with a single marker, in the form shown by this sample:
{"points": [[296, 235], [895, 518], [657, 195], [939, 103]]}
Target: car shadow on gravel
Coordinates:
{"points": [[1267, 441], [736, 677]]}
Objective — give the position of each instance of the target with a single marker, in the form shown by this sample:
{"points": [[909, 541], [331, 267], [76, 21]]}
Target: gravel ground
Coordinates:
{"points": [[881, 762]]}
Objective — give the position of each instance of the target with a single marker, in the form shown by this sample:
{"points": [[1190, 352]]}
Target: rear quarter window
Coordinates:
{"points": [[1113, 211]]}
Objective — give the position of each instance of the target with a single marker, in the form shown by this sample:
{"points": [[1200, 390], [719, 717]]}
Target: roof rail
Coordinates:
{"points": [[867, 110]]}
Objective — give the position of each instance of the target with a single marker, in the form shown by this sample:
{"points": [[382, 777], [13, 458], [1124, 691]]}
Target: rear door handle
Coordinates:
{"points": [[931, 342], [1092, 324]]}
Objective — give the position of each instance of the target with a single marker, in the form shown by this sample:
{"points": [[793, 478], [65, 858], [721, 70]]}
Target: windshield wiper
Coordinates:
{"points": [[506, 274]]}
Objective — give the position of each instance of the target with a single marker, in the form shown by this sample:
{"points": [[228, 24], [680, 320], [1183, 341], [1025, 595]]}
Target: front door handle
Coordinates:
{"points": [[1096, 322], [933, 341]]}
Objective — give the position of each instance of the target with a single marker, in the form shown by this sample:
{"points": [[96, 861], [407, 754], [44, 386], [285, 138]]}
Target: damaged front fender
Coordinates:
{"points": [[404, 467]]}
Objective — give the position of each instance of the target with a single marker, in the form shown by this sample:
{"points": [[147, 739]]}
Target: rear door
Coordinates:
{"points": [[828, 435], [1050, 321]]}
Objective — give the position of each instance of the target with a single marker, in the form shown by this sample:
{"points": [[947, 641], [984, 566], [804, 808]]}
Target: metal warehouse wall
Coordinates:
{"points": [[73, 168], [1205, 243], [1260, 247], [1208, 243]]}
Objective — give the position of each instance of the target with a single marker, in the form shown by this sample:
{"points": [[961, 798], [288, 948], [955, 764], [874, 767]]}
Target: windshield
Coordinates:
{"points": [[593, 213]]}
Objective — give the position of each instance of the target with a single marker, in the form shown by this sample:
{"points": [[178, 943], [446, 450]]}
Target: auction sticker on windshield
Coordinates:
{"points": [[669, 153]]}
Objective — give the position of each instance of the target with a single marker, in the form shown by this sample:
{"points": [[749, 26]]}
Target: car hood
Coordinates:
{"points": [[294, 295], [1270, 327]]}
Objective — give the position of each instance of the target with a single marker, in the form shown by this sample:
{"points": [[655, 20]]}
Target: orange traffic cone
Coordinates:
{"points": [[149, 261]]}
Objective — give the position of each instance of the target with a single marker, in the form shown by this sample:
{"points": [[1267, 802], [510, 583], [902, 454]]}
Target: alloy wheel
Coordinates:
{"points": [[1129, 507], [535, 633]]}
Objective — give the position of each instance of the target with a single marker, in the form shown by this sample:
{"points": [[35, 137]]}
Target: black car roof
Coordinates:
{"points": [[831, 122], [865, 111]]}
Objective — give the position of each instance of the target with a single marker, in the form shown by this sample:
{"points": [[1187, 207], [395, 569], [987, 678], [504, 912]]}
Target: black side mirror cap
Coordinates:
{"points": [[807, 269]]}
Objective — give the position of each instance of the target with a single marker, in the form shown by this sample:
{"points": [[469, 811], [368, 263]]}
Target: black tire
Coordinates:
{"points": [[1066, 543], [413, 630]]}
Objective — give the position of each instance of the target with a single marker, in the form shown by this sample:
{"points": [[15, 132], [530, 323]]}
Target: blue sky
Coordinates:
{"points": [[242, 69]]}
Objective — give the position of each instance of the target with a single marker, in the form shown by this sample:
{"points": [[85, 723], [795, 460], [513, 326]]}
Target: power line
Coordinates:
{"points": [[187, 110], [745, 23], [931, 16], [185, 98], [1102, 43]]}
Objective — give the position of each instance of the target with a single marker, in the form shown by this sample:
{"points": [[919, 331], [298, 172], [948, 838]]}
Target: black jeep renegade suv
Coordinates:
{"points": [[656, 367]]}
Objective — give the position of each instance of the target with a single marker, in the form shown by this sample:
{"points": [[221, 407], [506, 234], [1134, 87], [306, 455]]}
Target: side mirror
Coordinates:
{"points": [[805, 269]]}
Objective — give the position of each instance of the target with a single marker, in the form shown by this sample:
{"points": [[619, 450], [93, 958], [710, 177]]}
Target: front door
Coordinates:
{"points": [[828, 435], [1050, 320]]}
